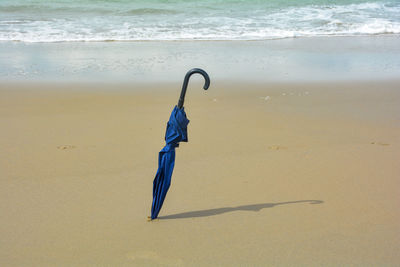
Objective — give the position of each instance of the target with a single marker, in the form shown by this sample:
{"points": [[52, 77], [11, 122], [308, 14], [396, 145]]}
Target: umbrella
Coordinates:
{"points": [[176, 132]]}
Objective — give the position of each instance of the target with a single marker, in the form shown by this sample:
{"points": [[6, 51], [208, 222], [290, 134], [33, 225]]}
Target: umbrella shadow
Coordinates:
{"points": [[218, 211]]}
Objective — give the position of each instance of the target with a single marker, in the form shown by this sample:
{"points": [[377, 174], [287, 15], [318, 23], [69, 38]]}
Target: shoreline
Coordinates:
{"points": [[297, 59], [378, 35]]}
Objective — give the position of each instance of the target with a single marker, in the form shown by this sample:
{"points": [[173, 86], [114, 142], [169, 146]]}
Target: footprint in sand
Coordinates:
{"points": [[66, 147], [277, 147], [381, 144]]}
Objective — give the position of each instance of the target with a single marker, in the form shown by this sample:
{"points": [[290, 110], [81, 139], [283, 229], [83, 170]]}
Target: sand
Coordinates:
{"points": [[320, 59], [273, 175]]}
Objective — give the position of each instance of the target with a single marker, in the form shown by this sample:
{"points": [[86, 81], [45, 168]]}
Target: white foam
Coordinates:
{"points": [[353, 19]]}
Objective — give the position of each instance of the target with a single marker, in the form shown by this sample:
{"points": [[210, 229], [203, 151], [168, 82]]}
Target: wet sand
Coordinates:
{"points": [[292, 59], [286, 174]]}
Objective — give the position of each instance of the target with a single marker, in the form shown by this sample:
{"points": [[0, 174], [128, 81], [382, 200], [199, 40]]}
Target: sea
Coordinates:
{"points": [[152, 20]]}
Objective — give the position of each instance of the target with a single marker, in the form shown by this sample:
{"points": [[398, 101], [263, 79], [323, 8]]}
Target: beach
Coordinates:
{"points": [[274, 174], [292, 156]]}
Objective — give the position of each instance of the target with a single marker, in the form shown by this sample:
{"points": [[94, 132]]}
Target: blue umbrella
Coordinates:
{"points": [[176, 132]]}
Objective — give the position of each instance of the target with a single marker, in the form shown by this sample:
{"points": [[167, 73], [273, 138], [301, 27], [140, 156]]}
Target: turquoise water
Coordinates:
{"points": [[127, 20]]}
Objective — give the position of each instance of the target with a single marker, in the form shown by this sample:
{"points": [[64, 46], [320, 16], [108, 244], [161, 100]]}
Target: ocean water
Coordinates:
{"points": [[142, 20]]}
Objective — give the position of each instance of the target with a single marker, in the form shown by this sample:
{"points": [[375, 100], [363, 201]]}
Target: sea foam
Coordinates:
{"points": [[38, 21]]}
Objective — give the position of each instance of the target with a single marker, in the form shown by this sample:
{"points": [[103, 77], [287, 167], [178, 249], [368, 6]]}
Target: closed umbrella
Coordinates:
{"points": [[176, 132]]}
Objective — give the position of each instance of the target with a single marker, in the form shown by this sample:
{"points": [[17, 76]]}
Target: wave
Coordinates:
{"points": [[150, 11], [165, 23]]}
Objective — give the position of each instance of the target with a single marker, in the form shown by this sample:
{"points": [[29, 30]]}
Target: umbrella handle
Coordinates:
{"points": [[186, 81]]}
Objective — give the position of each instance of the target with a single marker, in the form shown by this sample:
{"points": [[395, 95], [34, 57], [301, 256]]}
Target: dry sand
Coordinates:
{"points": [[272, 175]]}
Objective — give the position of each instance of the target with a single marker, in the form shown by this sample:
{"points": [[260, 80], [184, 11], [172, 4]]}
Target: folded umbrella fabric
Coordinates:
{"points": [[176, 132]]}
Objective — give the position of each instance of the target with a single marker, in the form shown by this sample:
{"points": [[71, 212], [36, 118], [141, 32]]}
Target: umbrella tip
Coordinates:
{"points": [[149, 219]]}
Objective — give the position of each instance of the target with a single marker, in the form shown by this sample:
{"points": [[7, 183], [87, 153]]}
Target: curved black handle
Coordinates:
{"points": [[186, 81]]}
